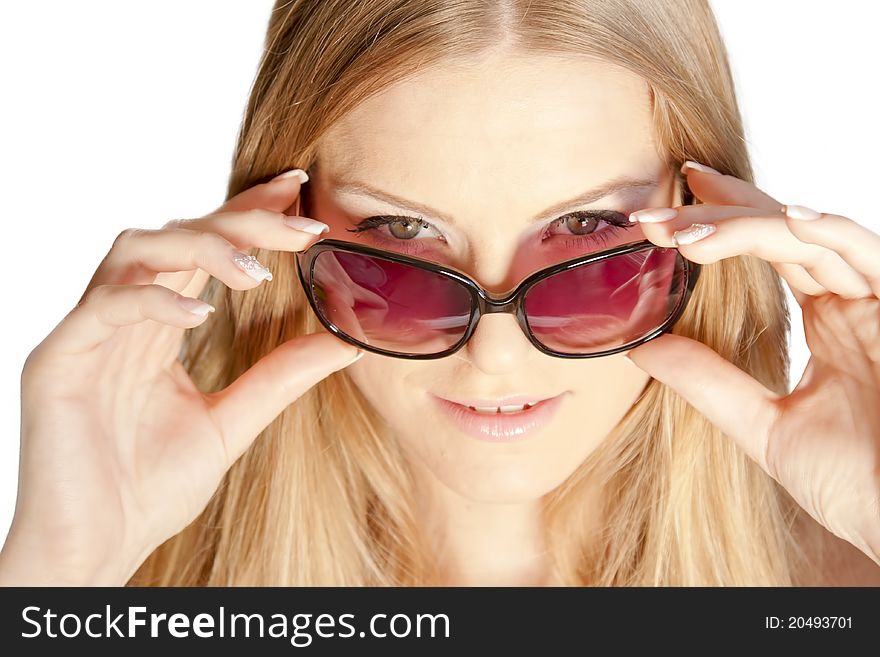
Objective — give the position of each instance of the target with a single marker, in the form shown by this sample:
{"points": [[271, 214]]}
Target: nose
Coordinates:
{"points": [[498, 345]]}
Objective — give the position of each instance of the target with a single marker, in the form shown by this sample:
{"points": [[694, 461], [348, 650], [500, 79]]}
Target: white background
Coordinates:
{"points": [[118, 114]]}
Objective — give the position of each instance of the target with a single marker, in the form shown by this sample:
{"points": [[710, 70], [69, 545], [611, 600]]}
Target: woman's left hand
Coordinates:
{"points": [[822, 440]]}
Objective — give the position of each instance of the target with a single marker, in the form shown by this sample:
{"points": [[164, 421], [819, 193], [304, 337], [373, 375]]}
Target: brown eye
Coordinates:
{"points": [[400, 228], [404, 228], [581, 224]]}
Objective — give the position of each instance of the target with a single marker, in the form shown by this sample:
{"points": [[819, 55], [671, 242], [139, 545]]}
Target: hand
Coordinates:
{"points": [[119, 449], [822, 440]]}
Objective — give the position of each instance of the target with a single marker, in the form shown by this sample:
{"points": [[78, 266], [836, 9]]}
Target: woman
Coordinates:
{"points": [[239, 443]]}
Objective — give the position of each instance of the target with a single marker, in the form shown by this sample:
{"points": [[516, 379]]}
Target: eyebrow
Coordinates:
{"points": [[613, 186]]}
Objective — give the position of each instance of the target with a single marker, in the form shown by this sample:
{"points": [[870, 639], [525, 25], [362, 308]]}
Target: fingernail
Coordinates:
{"points": [[308, 225], [692, 233], [653, 216], [360, 355], [628, 359], [690, 164], [299, 173], [800, 212], [251, 266], [195, 306]]}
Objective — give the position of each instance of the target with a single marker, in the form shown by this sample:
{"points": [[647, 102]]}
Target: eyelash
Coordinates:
{"points": [[616, 222], [372, 223]]}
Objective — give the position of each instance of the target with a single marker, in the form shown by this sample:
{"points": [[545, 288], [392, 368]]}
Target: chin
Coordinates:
{"points": [[504, 485]]}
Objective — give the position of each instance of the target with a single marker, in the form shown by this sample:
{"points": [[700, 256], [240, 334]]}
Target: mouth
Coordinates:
{"points": [[503, 405], [500, 422], [507, 410]]}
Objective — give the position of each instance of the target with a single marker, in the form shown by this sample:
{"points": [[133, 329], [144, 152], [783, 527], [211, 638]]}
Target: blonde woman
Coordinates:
{"points": [[378, 367]]}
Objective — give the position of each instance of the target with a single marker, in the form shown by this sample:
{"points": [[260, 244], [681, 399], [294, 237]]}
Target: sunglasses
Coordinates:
{"points": [[397, 305]]}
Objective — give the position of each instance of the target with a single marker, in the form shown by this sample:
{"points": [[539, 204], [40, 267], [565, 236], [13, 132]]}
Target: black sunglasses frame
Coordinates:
{"points": [[482, 301]]}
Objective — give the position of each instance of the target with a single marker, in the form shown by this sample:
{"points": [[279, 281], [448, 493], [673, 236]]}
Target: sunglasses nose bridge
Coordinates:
{"points": [[503, 303]]}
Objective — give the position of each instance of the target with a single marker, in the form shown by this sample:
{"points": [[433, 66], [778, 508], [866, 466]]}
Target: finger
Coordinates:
{"points": [[139, 254], [258, 227], [801, 284], [858, 246], [741, 407], [106, 308], [721, 189], [277, 194], [255, 228], [802, 297], [247, 405], [742, 230]]}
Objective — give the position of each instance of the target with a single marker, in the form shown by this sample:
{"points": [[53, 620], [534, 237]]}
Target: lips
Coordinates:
{"points": [[485, 402], [507, 409], [500, 427]]}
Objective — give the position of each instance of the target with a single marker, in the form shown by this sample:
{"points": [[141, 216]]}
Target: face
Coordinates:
{"points": [[480, 165]]}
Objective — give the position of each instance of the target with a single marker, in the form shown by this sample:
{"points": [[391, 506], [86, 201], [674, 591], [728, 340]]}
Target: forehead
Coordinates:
{"points": [[561, 123]]}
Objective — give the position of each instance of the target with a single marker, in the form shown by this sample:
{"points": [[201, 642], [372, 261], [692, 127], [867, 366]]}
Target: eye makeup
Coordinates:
{"points": [[603, 227]]}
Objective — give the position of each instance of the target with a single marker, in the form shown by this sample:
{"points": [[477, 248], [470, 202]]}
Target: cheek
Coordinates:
{"points": [[383, 382], [605, 393]]}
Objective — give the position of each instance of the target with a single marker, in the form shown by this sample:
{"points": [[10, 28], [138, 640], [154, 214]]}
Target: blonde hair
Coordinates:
{"points": [[323, 495]]}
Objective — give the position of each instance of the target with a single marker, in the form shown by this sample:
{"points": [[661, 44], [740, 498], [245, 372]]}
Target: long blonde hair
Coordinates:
{"points": [[323, 495]]}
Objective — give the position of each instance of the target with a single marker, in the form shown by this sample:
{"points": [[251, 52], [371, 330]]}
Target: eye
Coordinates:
{"points": [[398, 227], [589, 227], [587, 222], [580, 225], [405, 229]]}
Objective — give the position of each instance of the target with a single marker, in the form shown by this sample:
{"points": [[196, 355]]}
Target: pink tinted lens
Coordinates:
{"points": [[608, 303], [388, 305]]}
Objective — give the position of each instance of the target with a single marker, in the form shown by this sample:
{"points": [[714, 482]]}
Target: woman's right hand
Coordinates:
{"points": [[119, 448]]}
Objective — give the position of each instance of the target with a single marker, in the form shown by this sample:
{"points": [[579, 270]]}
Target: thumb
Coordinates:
{"points": [[247, 405], [741, 407]]}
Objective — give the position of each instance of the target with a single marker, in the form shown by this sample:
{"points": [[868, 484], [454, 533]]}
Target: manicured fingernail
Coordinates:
{"points": [[800, 212], [251, 266], [653, 216], [360, 355], [195, 306], [692, 233], [308, 225], [690, 164], [299, 173]]}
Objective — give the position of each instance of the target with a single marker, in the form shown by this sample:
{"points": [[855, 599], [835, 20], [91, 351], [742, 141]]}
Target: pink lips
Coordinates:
{"points": [[501, 427]]}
